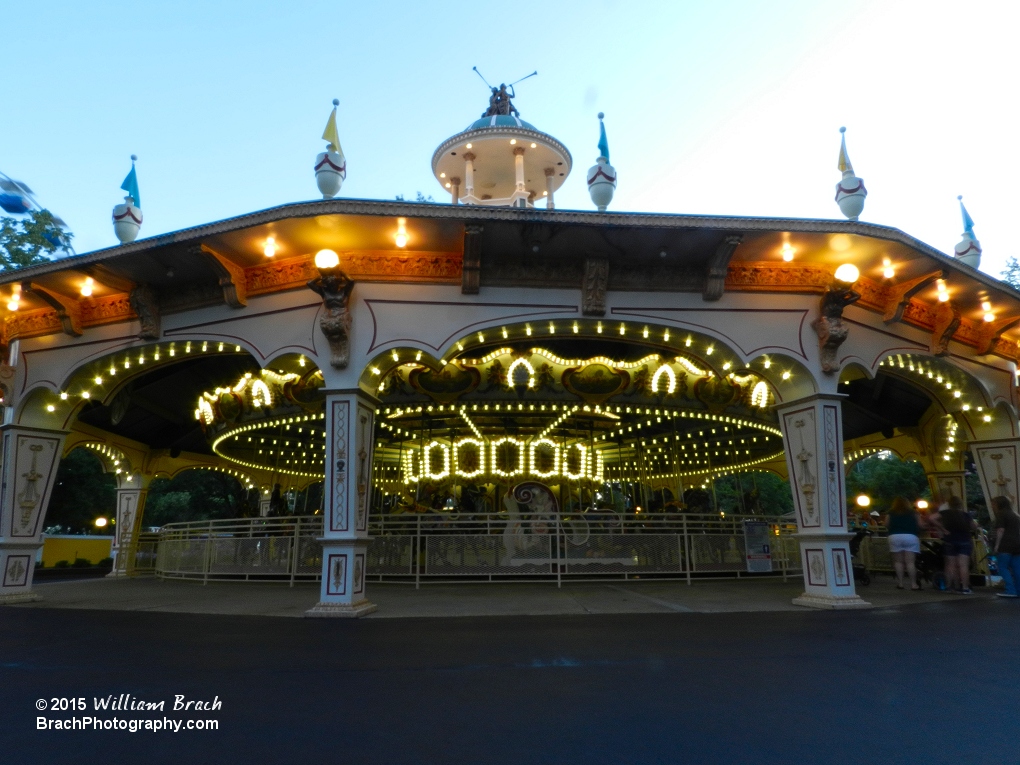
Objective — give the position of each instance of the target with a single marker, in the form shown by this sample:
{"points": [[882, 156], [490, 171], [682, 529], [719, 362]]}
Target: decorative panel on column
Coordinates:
{"points": [[338, 414], [364, 437], [998, 465], [29, 465]]}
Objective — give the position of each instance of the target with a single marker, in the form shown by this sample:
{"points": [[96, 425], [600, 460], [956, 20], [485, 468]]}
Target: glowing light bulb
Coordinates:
{"points": [[270, 247], [787, 252], [326, 259], [86, 288], [847, 273], [887, 270]]}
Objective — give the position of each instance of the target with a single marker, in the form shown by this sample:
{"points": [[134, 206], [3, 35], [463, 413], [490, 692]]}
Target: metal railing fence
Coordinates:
{"points": [[482, 546]]}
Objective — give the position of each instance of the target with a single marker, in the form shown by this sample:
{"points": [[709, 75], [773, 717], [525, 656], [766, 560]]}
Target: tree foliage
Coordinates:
{"points": [[82, 492], [30, 240], [420, 198], [194, 495], [754, 493], [883, 477], [1011, 273]]}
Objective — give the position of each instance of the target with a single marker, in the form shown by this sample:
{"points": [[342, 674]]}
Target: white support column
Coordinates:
{"points": [[130, 507], [813, 433], [519, 167], [998, 467], [350, 430], [469, 174], [550, 174], [28, 467]]}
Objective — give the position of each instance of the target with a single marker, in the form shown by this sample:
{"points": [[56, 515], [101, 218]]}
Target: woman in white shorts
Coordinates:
{"points": [[904, 540]]}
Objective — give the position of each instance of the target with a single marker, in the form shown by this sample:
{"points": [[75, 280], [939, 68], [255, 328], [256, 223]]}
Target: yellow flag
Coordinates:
{"points": [[844, 160], [330, 133]]}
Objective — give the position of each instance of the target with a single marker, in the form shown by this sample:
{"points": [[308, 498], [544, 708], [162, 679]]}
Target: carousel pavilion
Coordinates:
{"points": [[496, 388]]}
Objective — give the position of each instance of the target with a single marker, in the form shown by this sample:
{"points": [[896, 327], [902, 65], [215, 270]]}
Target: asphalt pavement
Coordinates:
{"points": [[927, 683]]}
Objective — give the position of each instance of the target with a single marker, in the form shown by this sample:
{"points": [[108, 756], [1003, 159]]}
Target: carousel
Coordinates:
{"points": [[495, 388]]}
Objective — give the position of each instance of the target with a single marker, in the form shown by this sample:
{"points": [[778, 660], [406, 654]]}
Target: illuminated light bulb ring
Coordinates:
{"points": [[429, 467], [533, 458], [760, 395], [582, 458], [664, 371], [458, 457], [502, 468], [521, 362]]}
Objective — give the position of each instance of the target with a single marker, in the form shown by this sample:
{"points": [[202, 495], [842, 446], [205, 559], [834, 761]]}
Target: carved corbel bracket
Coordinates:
{"points": [[897, 296], [145, 302], [947, 321], [335, 288], [992, 330], [472, 265], [829, 325], [68, 309], [718, 265], [105, 276], [594, 286], [230, 277]]}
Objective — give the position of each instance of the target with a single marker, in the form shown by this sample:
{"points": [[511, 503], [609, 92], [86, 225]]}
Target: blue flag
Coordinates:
{"points": [[130, 185], [603, 141], [968, 222]]}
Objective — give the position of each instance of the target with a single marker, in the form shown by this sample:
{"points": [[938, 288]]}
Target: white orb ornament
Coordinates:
{"points": [[602, 175], [331, 165], [330, 173], [127, 220], [850, 191]]}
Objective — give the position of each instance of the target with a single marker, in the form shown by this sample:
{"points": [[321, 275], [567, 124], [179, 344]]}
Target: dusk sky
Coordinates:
{"points": [[723, 108]]}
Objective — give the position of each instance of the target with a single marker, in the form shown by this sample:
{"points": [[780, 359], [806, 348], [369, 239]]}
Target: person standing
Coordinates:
{"points": [[958, 545], [1007, 545], [904, 541]]}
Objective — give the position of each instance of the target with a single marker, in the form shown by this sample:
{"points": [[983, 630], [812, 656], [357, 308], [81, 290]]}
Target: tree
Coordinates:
{"points": [[754, 493], [82, 492], [1011, 273], [421, 198], [194, 495], [30, 240], [883, 477]]}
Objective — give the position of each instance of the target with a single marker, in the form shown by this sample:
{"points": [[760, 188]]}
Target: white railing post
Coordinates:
{"points": [[207, 557]]}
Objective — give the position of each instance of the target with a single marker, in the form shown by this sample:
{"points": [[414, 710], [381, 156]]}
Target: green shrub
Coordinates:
{"points": [[61, 564], [81, 563], [105, 563]]}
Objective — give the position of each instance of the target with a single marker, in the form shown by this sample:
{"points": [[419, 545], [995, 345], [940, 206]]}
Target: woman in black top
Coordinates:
{"points": [[1007, 545], [957, 544]]}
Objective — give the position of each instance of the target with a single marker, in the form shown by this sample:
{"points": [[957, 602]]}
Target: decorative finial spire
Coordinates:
{"points": [[603, 141], [968, 250], [850, 191], [127, 217], [602, 175], [331, 165], [844, 158]]}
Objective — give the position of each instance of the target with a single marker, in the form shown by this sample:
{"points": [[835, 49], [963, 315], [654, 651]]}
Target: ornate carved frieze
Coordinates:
{"points": [[370, 266], [106, 310], [594, 286], [753, 276]]}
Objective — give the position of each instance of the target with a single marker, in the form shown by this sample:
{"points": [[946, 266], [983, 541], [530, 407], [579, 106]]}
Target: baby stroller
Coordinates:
{"points": [[931, 564], [860, 572]]}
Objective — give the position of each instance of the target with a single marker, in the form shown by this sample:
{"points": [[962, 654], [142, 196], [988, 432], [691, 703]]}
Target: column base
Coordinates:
{"points": [[341, 610], [832, 602], [115, 574], [19, 597]]}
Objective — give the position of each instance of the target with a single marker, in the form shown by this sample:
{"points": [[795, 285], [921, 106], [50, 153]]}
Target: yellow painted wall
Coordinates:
{"points": [[68, 548]]}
